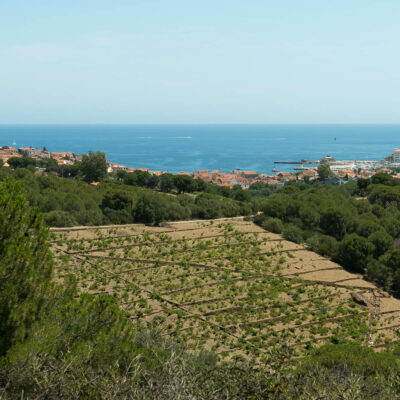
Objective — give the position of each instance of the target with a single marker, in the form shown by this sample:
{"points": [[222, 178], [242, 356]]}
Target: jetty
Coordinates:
{"points": [[297, 162]]}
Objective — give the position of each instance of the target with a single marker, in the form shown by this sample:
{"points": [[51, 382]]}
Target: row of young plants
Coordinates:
{"points": [[221, 292]]}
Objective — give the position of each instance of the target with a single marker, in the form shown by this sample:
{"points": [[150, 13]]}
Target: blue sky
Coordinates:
{"points": [[208, 61]]}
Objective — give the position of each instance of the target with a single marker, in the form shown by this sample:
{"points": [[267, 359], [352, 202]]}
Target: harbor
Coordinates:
{"points": [[391, 161]]}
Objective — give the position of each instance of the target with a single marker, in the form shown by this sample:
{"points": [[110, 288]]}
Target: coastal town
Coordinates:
{"points": [[342, 171]]}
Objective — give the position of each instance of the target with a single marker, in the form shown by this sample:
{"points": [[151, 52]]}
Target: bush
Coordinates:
{"points": [[59, 219], [259, 219], [151, 208], [382, 242], [354, 251], [323, 244], [391, 259], [89, 217], [275, 207], [345, 372], [361, 360], [293, 233], [378, 273], [333, 222], [274, 225], [367, 227], [309, 216]]}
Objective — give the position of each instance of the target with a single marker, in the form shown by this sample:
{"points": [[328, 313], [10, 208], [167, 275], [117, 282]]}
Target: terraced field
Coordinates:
{"points": [[229, 286]]}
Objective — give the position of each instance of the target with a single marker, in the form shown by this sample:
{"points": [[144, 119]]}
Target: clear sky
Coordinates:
{"points": [[199, 61]]}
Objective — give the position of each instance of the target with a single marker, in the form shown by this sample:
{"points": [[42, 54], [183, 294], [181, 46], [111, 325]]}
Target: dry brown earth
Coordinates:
{"points": [[227, 285]]}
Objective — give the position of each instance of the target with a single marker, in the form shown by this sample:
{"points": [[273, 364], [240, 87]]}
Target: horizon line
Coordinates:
{"points": [[195, 124]]}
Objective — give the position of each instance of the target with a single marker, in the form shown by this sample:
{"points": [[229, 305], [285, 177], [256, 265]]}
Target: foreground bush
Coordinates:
{"points": [[339, 372]]}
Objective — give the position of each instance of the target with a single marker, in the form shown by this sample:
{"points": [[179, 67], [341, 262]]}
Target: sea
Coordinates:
{"points": [[177, 148]]}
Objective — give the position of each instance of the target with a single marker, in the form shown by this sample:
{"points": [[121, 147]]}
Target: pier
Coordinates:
{"points": [[296, 162]]}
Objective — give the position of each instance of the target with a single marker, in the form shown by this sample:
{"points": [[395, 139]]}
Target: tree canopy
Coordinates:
{"points": [[94, 166]]}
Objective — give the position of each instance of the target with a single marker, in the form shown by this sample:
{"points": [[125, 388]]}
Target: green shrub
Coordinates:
{"points": [[379, 274], [274, 225], [293, 233], [333, 222], [89, 217], [361, 360], [323, 244], [382, 242], [354, 252], [59, 219], [345, 372]]}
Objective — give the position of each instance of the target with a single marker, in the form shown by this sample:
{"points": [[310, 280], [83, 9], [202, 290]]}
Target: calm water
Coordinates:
{"points": [[177, 148]]}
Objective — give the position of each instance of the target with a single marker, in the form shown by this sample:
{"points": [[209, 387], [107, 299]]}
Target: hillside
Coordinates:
{"points": [[227, 286]]}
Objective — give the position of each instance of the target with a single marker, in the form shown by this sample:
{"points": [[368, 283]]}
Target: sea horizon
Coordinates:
{"points": [[224, 147]]}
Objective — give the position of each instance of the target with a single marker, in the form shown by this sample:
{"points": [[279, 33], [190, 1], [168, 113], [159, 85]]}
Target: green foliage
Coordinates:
{"points": [[60, 219], [22, 162], [68, 202], [309, 216], [354, 251], [293, 233], [384, 179], [384, 195], [345, 372], [151, 209], [355, 232], [25, 265], [116, 201], [166, 182], [274, 225], [323, 244], [391, 259], [94, 166], [184, 183], [368, 226], [362, 185], [362, 360], [276, 207], [324, 172], [208, 206], [382, 242], [333, 222]]}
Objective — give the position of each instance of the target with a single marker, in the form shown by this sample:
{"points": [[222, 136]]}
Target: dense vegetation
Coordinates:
{"points": [[358, 224], [57, 343], [68, 202], [64, 196]]}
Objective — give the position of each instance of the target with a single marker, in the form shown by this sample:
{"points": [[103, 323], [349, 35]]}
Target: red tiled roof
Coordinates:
{"points": [[249, 173]]}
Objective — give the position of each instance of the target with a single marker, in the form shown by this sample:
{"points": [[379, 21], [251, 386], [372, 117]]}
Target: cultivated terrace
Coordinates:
{"points": [[228, 286]]}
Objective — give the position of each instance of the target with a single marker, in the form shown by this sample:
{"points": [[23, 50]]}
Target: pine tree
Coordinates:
{"points": [[25, 264]]}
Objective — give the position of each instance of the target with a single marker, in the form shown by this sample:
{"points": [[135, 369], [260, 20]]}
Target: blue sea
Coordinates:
{"points": [[176, 148]]}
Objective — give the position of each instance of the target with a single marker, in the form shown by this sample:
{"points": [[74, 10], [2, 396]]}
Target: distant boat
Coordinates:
{"points": [[335, 139], [275, 170], [14, 143]]}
